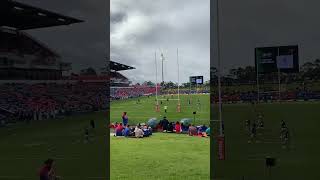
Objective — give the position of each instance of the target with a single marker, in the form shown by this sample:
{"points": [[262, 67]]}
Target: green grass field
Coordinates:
{"points": [[298, 162], [23, 148], [162, 156], [142, 112]]}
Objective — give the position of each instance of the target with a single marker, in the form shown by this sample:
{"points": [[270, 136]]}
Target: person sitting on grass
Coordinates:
{"points": [[208, 131], [177, 127], [165, 124], [126, 131], [192, 130], [170, 127], [148, 128], [119, 130], [159, 127], [203, 128], [138, 132], [146, 131], [47, 171], [184, 128]]}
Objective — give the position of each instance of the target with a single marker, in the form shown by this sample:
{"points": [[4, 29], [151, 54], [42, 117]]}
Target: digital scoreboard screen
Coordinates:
{"points": [[196, 80], [273, 59]]}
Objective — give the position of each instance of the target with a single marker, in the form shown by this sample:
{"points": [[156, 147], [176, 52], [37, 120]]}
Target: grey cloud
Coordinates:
{"points": [[117, 17], [248, 24], [162, 25]]}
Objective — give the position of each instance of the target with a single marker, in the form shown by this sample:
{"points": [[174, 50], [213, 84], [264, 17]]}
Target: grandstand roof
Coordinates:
{"points": [[21, 16], [119, 67]]}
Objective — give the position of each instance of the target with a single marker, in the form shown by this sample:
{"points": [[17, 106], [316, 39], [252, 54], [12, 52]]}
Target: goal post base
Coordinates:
{"points": [[157, 108], [179, 108]]}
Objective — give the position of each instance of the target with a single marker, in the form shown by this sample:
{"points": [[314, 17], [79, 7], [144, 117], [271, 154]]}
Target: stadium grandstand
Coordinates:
{"points": [[22, 57], [116, 78], [121, 87], [31, 83]]}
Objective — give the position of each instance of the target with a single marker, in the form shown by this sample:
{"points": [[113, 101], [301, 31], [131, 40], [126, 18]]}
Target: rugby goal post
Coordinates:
{"points": [[157, 108]]}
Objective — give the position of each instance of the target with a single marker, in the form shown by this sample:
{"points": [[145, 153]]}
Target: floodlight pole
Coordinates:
{"points": [[162, 59], [219, 63], [178, 76], [155, 61], [279, 79], [258, 87]]}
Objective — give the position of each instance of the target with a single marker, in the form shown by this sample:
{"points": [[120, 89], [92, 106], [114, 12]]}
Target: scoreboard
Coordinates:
{"points": [[196, 80], [273, 59]]}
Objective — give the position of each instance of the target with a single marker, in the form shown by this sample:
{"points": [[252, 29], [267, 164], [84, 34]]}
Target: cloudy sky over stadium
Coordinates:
{"points": [[248, 24], [141, 27]]}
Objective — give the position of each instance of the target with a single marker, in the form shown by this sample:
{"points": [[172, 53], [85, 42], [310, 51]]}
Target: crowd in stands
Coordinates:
{"points": [[131, 92], [249, 96], [140, 90], [26, 102]]}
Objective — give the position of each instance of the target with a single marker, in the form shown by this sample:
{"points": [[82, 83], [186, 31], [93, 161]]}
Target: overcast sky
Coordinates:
{"points": [[141, 27], [248, 24]]}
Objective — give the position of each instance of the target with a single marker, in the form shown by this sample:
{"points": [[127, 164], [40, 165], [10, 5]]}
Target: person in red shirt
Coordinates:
{"points": [[119, 130], [47, 171], [178, 127]]}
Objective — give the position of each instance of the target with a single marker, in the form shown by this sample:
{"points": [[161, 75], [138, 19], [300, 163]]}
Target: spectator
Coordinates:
{"points": [[47, 171], [178, 127], [125, 118], [165, 124], [119, 130], [138, 132], [126, 131], [192, 130], [170, 127], [208, 131]]}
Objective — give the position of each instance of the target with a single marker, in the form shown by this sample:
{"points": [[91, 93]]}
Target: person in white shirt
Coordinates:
{"points": [[138, 132]]}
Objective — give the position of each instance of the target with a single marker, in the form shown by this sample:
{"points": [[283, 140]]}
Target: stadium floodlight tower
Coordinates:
{"points": [[162, 82]]}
